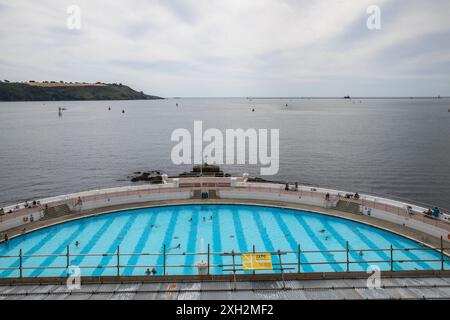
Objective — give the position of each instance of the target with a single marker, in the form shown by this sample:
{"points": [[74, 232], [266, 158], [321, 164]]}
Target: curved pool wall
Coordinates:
{"points": [[190, 228], [231, 188]]}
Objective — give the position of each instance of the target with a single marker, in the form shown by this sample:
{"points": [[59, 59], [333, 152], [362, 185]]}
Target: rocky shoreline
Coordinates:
{"points": [[205, 170]]}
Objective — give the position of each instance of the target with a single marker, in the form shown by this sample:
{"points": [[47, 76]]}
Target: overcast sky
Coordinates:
{"points": [[232, 47]]}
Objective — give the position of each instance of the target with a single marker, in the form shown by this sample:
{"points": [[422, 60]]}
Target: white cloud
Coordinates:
{"points": [[225, 48]]}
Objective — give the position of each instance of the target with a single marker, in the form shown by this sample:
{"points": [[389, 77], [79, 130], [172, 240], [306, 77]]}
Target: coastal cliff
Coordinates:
{"points": [[64, 91]]}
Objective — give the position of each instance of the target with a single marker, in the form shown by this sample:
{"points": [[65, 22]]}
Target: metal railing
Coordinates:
{"points": [[293, 261]]}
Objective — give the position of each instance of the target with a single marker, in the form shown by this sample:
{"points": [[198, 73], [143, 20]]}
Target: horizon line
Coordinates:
{"points": [[309, 97]]}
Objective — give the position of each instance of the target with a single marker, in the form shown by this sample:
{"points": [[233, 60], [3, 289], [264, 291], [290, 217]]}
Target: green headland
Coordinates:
{"points": [[68, 91]]}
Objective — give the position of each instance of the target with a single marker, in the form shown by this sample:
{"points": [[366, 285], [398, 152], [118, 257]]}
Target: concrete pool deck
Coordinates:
{"points": [[416, 284], [412, 288], [404, 231], [382, 213]]}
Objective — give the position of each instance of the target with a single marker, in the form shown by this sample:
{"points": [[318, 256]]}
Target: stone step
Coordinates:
{"points": [[55, 212], [212, 194], [347, 206]]}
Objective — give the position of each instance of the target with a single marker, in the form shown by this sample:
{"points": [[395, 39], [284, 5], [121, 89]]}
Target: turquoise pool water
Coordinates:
{"points": [[185, 229]]}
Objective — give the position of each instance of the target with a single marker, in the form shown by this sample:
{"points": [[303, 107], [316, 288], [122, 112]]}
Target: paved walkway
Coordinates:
{"points": [[337, 289]]}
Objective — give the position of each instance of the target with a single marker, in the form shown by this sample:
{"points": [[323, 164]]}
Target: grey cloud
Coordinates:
{"points": [[229, 48]]}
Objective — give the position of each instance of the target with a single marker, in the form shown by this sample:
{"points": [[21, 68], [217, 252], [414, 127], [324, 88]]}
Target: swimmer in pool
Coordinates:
{"points": [[77, 244], [322, 231], [177, 247]]}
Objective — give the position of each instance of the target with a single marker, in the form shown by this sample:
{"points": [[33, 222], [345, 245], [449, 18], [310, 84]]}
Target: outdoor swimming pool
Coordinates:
{"points": [[190, 228]]}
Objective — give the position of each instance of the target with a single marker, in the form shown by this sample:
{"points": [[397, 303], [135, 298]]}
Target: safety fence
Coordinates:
{"points": [[166, 262]]}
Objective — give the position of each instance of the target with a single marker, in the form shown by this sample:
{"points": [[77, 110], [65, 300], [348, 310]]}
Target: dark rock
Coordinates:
{"points": [[152, 176]]}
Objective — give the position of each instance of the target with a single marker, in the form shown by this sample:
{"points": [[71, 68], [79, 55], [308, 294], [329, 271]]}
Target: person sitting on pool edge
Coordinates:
{"points": [[149, 272]]}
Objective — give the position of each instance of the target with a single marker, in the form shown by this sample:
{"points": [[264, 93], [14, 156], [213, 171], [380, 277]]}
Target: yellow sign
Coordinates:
{"points": [[257, 261]]}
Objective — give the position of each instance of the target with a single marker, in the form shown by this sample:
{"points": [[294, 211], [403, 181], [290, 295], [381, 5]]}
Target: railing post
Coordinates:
{"points": [[348, 259], [20, 263], [254, 251], [164, 260], [299, 270], [209, 252], [234, 265], [392, 258], [282, 269], [67, 258], [118, 261], [442, 253], [234, 271], [280, 262]]}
